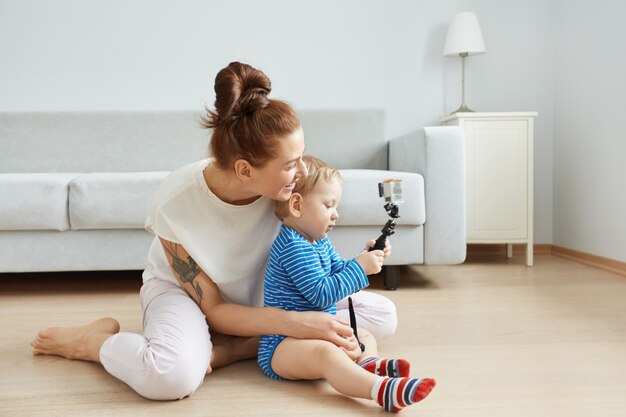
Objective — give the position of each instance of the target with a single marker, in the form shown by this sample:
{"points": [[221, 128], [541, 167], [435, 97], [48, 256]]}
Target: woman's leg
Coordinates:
{"points": [[169, 361], [374, 312], [230, 349]]}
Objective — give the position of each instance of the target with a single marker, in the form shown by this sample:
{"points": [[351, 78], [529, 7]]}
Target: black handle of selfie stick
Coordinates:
{"points": [[380, 243], [353, 324], [387, 230]]}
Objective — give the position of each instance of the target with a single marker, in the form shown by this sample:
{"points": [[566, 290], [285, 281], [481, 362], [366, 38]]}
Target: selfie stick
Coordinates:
{"points": [[391, 191]]}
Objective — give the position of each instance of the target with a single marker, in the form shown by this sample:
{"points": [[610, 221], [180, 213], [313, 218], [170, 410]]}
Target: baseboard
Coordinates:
{"points": [[607, 264], [600, 262], [476, 249]]}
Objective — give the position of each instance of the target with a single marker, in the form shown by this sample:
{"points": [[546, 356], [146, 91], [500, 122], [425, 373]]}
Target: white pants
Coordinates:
{"points": [[169, 361]]}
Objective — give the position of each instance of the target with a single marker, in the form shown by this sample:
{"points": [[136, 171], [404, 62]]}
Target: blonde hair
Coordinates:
{"points": [[318, 170]]}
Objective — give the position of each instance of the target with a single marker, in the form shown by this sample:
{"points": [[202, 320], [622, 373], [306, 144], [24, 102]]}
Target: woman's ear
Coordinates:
{"points": [[243, 170], [295, 205]]}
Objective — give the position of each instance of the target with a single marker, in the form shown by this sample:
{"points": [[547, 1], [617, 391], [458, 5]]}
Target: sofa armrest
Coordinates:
{"points": [[438, 154]]}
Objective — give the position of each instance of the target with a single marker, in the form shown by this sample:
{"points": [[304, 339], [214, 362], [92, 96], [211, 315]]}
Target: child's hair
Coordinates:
{"points": [[318, 170], [245, 122]]}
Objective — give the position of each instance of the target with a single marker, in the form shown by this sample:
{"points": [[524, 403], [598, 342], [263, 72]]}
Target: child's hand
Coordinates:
{"points": [[371, 262], [370, 244]]}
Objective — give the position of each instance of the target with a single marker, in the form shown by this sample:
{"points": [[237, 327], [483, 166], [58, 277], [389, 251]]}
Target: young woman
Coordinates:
{"points": [[214, 225]]}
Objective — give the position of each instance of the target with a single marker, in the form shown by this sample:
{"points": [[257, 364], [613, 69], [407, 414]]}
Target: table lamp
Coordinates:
{"points": [[464, 38]]}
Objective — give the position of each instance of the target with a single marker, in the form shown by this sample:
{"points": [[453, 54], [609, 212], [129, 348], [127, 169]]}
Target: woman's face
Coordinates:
{"points": [[277, 178]]}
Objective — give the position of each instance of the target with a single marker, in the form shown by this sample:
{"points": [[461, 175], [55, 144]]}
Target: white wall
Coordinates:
{"points": [[590, 128], [144, 54], [159, 55]]}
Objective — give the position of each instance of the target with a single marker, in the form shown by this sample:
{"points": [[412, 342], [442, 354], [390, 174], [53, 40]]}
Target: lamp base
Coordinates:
{"points": [[463, 109]]}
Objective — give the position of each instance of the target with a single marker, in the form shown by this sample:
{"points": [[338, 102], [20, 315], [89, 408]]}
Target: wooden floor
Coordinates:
{"points": [[502, 340]]}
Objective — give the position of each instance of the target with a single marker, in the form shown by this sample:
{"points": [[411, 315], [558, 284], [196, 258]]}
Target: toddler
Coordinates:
{"points": [[305, 273]]}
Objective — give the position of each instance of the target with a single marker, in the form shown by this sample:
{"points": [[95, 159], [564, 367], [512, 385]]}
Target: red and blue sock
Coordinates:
{"points": [[393, 394], [386, 367]]}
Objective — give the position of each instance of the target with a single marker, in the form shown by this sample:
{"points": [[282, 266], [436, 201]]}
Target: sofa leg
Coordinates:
{"points": [[392, 277]]}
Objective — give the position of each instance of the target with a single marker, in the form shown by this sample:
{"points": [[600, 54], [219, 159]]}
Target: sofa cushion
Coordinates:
{"points": [[361, 205], [112, 200], [34, 201]]}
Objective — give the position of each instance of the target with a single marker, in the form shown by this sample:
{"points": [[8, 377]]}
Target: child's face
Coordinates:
{"points": [[319, 210]]}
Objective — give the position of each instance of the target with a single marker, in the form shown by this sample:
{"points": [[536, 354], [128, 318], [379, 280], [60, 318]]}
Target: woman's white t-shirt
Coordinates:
{"points": [[230, 243]]}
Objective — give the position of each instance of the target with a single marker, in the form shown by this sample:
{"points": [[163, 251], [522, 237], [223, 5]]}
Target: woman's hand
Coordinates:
{"points": [[325, 326], [355, 353]]}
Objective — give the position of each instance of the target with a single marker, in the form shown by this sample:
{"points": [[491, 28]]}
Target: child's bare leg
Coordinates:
{"points": [[81, 342], [316, 359]]}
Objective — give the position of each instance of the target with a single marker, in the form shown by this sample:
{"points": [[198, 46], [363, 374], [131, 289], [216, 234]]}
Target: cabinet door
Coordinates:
{"points": [[497, 175]]}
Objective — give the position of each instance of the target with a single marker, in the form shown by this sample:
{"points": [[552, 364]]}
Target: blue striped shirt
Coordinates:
{"points": [[305, 276]]}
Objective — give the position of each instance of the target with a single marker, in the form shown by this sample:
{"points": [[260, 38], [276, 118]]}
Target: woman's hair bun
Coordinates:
{"points": [[240, 89], [245, 123]]}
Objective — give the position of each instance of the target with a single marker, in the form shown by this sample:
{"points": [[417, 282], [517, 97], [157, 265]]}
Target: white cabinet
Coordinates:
{"points": [[499, 163]]}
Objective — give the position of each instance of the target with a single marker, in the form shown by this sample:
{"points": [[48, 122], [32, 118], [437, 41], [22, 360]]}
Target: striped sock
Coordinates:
{"points": [[386, 367], [393, 394]]}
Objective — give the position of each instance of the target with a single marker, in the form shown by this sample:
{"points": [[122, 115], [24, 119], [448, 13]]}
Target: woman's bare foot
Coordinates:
{"points": [[81, 342], [231, 349]]}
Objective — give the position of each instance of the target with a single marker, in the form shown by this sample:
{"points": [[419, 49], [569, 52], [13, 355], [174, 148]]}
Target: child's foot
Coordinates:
{"points": [[386, 367], [393, 394]]}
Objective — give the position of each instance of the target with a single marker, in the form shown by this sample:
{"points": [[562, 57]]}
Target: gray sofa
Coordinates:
{"points": [[75, 187]]}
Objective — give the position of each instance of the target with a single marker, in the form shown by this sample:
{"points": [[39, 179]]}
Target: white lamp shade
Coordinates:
{"points": [[464, 36]]}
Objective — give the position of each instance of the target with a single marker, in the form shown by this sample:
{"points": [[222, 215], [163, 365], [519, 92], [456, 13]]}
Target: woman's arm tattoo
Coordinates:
{"points": [[187, 270]]}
